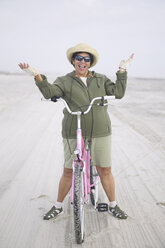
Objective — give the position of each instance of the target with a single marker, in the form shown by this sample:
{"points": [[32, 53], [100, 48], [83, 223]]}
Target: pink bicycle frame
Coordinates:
{"points": [[84, 159]]}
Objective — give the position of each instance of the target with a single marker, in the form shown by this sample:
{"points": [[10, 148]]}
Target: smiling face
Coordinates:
{"points": [[81, 67]]}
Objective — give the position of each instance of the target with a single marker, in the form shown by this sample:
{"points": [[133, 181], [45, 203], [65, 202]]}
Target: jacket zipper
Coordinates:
{"points": [[91, 112], [86, 87]]}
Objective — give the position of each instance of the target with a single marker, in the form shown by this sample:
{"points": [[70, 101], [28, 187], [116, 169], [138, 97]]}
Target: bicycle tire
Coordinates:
{"points": [[94, 190], [78, 204]]}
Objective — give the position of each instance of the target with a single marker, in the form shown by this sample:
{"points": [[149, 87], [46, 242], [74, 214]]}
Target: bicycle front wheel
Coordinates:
{"points": [[78, 204]]}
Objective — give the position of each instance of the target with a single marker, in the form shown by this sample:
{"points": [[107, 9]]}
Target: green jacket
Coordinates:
{"points": [[78, 96]]}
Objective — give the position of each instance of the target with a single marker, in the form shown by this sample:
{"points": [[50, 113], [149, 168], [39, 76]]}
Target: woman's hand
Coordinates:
{"points": [[124, 63], [28, 69], [31, 71]]}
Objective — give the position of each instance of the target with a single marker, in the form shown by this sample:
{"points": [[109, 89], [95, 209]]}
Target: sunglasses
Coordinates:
{"points": [[80, 58]]}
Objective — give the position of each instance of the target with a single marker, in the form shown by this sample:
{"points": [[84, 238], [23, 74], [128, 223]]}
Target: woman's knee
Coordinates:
{"points": [[67, 172], [103, 171]]}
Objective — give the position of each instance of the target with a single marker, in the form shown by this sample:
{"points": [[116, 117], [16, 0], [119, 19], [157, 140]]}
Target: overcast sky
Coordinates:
{"points": [[39, 32]]}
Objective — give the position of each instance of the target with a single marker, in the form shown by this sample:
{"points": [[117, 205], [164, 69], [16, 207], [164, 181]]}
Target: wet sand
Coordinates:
{"points": [[31, 162]]}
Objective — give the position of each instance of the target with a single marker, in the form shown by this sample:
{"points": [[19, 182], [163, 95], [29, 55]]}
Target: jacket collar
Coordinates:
{"points": [[91, 74]]}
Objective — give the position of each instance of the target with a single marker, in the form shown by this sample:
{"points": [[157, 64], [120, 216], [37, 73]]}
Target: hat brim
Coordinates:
{"points": [[82, 48]]}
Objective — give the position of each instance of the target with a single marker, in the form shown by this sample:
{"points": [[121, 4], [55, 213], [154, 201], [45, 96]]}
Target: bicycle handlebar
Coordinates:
{"points": [[102, 98]]}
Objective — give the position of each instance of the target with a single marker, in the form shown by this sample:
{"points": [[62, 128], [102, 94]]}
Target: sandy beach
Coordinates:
{"points": [[31, 163]]}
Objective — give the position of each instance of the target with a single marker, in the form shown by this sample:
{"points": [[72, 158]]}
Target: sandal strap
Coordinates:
{"points": [[117, 212]]}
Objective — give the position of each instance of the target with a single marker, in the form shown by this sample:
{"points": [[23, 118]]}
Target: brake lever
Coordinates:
{"points": [[55, 98]]}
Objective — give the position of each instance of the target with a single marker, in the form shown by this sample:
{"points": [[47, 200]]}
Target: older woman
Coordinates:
{"points": [[78, 88]]}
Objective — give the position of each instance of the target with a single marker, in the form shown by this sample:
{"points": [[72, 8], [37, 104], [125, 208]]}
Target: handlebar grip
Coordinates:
{"points": [[55, 98], [103, 98], [109, 97]]}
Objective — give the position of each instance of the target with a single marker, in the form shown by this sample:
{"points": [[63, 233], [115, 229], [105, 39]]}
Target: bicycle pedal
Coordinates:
{"points": [[93, 187], [102, 207]]}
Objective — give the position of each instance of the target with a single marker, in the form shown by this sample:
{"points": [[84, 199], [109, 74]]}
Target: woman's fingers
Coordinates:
{"points": [[26, 65], [20, 65], [129, 60], [132, 55], [23, 65]]}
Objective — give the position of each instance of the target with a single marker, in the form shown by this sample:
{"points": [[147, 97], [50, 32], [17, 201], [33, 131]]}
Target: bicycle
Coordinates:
{"points": [[84, 177]]}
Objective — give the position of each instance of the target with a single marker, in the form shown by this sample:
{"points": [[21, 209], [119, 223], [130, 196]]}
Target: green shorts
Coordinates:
{"points": [[100, 151]]}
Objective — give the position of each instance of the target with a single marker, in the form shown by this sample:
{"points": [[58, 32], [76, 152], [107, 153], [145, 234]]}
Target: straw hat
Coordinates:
{"points": [[82, 47]]}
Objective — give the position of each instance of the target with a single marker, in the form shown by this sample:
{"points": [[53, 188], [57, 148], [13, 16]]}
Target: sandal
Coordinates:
{"points": [[53, 212], [117, 212]]}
